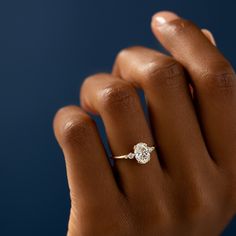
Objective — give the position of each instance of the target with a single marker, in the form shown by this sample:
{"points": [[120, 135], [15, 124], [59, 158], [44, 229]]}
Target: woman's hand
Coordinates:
{"points": [[188, 187]]}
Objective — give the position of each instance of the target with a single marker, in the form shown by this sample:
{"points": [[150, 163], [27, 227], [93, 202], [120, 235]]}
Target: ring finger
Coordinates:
{"points": [[118, 104]]}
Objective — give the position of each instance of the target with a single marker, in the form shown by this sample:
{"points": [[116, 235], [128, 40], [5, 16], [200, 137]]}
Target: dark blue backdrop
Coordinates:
{"points": [[47, 47]]}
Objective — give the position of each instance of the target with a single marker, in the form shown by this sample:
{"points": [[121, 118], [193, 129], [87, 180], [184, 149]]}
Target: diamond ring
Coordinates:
{"points": [[142, 153]]}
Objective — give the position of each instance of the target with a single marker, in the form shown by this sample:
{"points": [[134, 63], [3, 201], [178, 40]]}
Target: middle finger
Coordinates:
{"points": [[174, 122]]}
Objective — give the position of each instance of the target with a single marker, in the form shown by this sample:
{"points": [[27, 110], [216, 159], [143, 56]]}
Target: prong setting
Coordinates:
{"points": [[142, 153]]}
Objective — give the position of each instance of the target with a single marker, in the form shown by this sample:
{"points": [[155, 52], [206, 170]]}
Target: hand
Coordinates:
{"points": [[188, 187]]}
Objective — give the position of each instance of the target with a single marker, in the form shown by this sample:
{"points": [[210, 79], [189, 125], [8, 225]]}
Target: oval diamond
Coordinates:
{"points": [[142, 153]]}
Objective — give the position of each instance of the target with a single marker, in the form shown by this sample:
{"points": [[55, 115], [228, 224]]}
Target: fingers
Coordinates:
{"points": [[209, 35], [173, 119], [213, 79], [119, 106], [89, 174]]}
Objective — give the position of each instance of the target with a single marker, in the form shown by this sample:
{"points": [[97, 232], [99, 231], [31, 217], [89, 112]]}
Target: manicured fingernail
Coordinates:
{"points": [[209, 35], [164, 17]]}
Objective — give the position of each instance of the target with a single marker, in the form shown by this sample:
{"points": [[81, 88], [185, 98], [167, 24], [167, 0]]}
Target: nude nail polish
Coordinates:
{"points": [[164, 17]]}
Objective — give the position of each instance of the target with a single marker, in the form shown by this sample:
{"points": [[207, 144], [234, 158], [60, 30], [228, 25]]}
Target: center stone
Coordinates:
{"points": [[141, 152]]}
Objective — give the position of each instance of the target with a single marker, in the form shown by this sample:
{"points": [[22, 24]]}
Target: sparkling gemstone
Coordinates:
{"points": [[142, 153], [131, 155]]}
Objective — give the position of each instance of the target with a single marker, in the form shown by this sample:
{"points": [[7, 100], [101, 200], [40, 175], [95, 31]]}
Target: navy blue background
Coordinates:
{"points": [[47, 47]]}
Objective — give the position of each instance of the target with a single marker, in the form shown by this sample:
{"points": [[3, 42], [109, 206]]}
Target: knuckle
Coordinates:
{"points": [[126, 51], [76, 128], [219, 75], [118, 95], [163, 73], [122, 53]]}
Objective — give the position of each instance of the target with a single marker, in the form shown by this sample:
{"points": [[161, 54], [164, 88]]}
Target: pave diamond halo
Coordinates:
{"points": [[142, 153]]}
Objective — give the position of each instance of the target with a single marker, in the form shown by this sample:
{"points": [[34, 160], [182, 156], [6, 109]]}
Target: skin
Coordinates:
{"points": [[189, 186]]}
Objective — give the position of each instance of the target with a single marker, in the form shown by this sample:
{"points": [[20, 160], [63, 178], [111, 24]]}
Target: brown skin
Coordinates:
{"points": [[189, 186]]}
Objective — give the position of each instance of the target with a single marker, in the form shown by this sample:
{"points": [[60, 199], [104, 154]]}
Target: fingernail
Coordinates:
{"points": [[164, 17], [209, 35]]}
